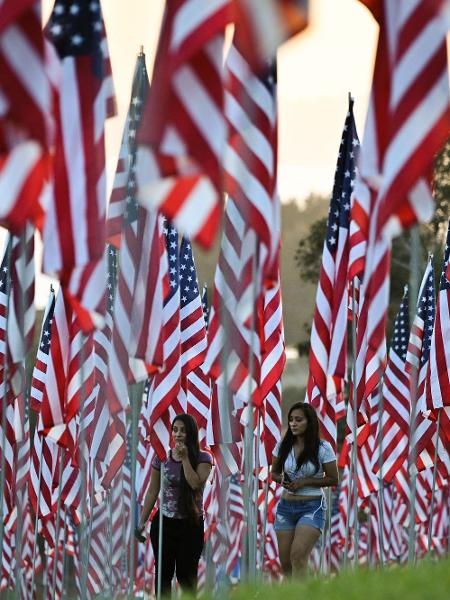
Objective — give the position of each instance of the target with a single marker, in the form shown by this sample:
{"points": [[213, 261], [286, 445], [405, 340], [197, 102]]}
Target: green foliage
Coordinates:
{"points": [[308, 256]]}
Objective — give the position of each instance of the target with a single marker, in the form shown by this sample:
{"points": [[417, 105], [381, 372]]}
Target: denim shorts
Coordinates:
{"points": [[291, 513]]}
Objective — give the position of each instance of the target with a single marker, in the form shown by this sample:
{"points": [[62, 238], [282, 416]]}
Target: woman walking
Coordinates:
{"points": [[303, 464], [185, 473]]}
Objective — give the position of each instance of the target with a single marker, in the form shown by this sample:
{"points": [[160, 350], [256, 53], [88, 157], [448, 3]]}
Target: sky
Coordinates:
{"points": [[316, 71]]}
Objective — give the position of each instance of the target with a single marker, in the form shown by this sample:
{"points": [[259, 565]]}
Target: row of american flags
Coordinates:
{"points": [[128, 341]]}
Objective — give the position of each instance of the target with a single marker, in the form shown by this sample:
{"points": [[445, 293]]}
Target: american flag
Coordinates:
{"points": [[328, 354], [40, 366], [142, 285], [192, 320], [182, 136], [74, 231], [24, 114], [251, 155], [407, 123], [396, 399], [423, 433], [265, 24], [233, 337], [438, 377], [198, 387], [166, 385]]}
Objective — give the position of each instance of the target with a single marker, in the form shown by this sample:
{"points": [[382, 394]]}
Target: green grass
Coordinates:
{"points": [[425, 581]]}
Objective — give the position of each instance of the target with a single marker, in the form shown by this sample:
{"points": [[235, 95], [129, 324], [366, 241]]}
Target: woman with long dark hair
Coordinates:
{"points": [[185, 473], [303, 464]]}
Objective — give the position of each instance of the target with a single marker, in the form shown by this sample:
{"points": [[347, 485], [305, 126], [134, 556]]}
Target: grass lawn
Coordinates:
{"points": [[425, 581]]}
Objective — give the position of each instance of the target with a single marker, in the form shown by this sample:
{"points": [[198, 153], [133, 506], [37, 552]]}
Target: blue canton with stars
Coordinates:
{"points": [[44, 344], [205, 304], [339, 214], [444, 283], [76, 29], [111, 276], [188, 276], [401, 328], [171, 236], [138, 94], [426, 310], [4, 278]]}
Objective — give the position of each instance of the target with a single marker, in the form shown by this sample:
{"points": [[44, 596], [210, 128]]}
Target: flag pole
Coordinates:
{"points": [[433, 488], [348, 514], [369, 536], [136, 394], [110, 537], [4, 402], [380, 467], [160, 532], [64, 556], [262, 547], [414, 287], [354, 456], [249, 564], [36, 520], [61, 453]]}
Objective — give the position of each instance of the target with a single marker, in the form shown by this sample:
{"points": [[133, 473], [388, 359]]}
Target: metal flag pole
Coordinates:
{"points": [[110, 537], [349, 511], [433, 488], [354, 456], [262, 547], [36, 521], [369, 536], [160, 532], [64, 556], [414, 290], [380, 468], [136, 395], [58, 518], [329, 545], [87, 545], [249, 564], [5, 388], [253, 555]]}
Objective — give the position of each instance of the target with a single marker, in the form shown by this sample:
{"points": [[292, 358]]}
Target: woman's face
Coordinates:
{"points": [[298, 422], [179, 432]]}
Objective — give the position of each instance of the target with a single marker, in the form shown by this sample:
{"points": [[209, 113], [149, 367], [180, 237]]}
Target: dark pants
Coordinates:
{"points": [[181, 550]]}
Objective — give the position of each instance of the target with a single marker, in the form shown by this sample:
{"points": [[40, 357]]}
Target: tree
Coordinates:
{"points": [[308, 256]]}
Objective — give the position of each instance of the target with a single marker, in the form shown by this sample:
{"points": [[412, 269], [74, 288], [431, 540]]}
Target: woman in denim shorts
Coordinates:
{"points": [[303, 464]]}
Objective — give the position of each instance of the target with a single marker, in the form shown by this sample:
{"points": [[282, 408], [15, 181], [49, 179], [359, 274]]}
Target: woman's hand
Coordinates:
{"points": [[181, 450], [293, 486], [138, 533]]}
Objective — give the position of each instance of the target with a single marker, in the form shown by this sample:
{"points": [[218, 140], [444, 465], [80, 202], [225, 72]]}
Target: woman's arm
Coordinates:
{"points": [[276, 476], [195, 477], [329, 479], [150, 497]]}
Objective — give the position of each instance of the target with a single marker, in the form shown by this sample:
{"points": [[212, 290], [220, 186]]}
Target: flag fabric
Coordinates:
{"points": [[192, 321], [25, 113], [328, 353], [438, 375], [74, 231], [250, 163], [166, 385], [182, 135], [22, 311], [409, 115], [70, 375], [273, 360], [410, 80], [233, 334], [42, 356], [396, 411], [265, 24], [137, 346]]}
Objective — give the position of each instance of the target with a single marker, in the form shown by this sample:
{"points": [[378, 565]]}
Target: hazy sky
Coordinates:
{"points": [[316, 70]]}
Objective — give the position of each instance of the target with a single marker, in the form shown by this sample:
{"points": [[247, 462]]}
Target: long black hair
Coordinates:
{"points": [[310, 452], [187, 501]]}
